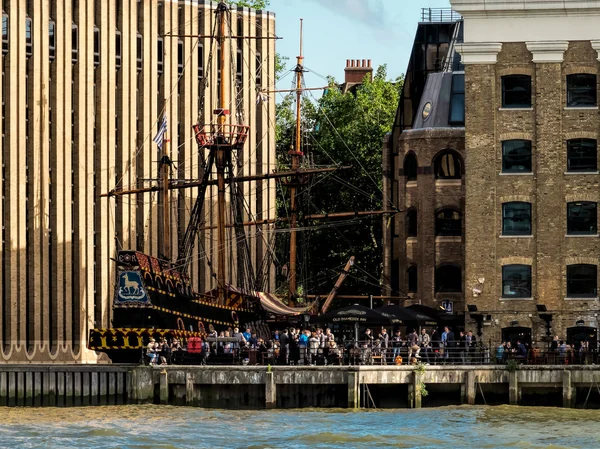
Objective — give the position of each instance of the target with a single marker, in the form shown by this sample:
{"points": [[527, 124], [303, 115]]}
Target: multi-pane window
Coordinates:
{"points": [[516, 156], [516, 281], [52, 40], [448, 166], [180, 57], [96, 46], [410, 167], [139, 52], [448, 222], [5, 32], [582, 155], [448, 278], [581, 90], [411, 223], [118, 50], [200, 61], [74, 43], [258, 69], [582, 281], [516, 218], [28, 37], [411, 274], [582, 218], [516, 91], [160, 55], [457, 100], [239, 64]]}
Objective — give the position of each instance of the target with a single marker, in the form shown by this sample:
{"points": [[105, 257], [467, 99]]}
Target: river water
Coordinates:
{"points": [[182, 427]]}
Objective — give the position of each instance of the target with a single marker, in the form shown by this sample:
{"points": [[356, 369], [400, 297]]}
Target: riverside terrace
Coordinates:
{"points": [[228, 351]]}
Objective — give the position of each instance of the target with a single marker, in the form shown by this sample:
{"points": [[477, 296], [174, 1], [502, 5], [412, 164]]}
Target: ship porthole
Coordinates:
{"points": [[180, 324], [234, 317]]}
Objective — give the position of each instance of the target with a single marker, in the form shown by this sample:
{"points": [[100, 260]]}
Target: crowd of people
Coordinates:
{"points": [[318, 346]]}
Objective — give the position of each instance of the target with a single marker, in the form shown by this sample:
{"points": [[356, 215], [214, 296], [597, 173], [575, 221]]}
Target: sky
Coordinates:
{"points": [[337, 30]]}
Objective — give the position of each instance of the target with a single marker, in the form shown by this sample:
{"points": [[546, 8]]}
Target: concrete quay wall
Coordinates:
{"points": [[286, 386]]}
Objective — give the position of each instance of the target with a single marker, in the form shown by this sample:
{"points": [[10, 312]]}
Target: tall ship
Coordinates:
{"points": [[153, 294]]}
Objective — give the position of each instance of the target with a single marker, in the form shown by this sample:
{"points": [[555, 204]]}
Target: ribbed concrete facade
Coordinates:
{"points": [[84, 84]]}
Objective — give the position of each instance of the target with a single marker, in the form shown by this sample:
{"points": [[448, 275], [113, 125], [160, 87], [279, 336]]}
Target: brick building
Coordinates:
{"points": [[423, 172], [532, 179]]}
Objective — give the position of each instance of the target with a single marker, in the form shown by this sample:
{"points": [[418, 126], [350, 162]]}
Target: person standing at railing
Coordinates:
{"points": [[413, 345], [472, 347], [384, 339], [396, 344], [284, 346], [424, 341], [303, 345], [462, 347]]}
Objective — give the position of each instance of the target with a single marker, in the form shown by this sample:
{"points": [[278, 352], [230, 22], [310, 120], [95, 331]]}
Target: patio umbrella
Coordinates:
{"points": [[402, 315], [356, 315]]}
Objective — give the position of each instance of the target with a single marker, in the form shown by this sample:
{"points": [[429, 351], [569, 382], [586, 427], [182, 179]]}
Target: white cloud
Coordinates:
{"points": [[369, 12]]}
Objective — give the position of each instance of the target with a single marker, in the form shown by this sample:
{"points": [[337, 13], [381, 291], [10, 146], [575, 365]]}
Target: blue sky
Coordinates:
{"points": [[336, 30]]}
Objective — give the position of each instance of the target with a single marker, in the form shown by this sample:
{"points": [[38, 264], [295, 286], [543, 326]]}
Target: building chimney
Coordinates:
{"points": [[356, 70]]}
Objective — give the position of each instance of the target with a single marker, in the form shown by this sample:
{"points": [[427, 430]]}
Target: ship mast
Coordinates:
{"points": [[221, 145], [164, 197], [296, 153]]}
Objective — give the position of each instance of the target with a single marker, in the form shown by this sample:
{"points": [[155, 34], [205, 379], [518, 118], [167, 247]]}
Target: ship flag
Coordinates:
{"points": [[162, 130]]}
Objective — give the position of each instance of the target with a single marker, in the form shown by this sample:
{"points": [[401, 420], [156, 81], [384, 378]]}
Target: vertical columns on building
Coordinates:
{"points": [[387, 237], [269, 156], [83, 272], [126, 119], [169, 28], [37, 195], [61, 224], [148, 116], [185, 151], [15, 162], [104, 161], [549, 169], [481, 222], [4, 299], [425, 253], [207, 101]]}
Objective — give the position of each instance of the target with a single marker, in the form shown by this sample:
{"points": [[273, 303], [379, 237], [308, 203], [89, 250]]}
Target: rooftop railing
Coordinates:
{"points": [[439, 15]]}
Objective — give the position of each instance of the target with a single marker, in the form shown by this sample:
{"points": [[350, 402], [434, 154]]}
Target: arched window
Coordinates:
{"points": [[448, 222], [582, 218], [516, 218], [448, 278], [411, 223], [412, 277], [581, 90], [410, 167], [448, 165], [516, 281], [582, 281], [516, 91], [582, 155]]}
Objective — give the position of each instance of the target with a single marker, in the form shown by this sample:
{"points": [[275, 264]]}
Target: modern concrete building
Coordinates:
{"points": [[423, 171], [84, 84], [532, 183]]}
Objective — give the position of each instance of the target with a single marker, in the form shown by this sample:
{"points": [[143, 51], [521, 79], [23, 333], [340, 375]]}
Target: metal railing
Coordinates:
{"points": [[349, 352], [439, 15]]}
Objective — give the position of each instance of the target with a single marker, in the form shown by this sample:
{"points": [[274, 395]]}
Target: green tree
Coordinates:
{"points": [[345, 129], [255, 4]]}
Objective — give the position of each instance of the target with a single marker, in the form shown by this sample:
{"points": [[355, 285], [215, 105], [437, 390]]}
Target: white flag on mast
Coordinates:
{"points": [[162, 130]]}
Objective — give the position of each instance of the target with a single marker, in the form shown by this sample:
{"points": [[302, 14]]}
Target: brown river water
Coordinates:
{"points": [[154, 426]]}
